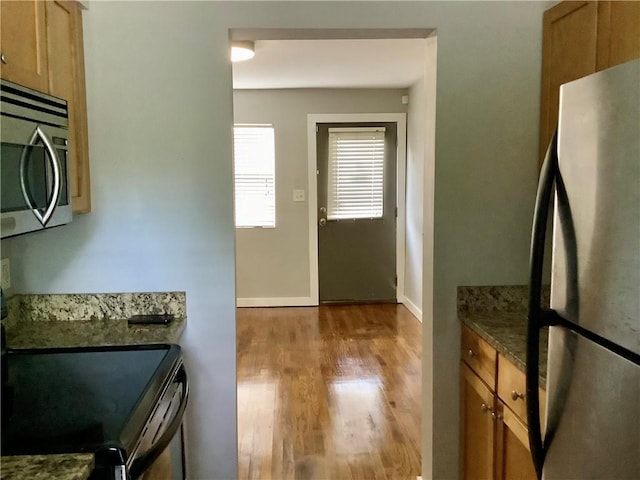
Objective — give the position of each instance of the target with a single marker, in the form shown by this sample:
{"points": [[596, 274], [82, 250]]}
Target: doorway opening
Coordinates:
{"points": [[344, 375], [278, 266]]}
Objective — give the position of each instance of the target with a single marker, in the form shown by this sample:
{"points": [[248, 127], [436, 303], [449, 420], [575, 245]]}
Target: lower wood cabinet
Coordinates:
{"points": [[161, 468], [494, 438], [478, 431], [513, 457], [511, 389], [171, 463]]}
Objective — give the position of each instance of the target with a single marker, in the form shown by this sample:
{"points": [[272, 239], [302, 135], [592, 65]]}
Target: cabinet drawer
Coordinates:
{"points": [[480, 356], [512, 387]]}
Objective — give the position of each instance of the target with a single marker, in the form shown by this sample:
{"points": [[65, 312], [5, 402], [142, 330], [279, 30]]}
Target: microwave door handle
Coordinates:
{"points": [[43, 218], [57, 184], [55, 168]]}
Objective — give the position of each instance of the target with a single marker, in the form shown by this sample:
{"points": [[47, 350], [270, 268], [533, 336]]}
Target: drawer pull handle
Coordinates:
{"points": [[3, 59], [471, 353], [516, 395]]}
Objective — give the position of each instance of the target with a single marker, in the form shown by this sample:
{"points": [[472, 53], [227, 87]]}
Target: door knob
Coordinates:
{"points": [[322, 222], [323, 209]]}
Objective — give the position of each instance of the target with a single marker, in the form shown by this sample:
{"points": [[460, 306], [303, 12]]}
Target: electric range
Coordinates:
{"points": [[123, 403]]}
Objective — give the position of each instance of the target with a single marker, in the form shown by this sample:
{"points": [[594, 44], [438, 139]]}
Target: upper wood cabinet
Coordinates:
{"points": [[66, 80], [618, 33], [24, 44], [42, 48], [580, 38]]}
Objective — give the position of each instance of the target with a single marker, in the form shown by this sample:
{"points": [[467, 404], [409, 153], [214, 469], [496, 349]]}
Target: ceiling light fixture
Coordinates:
{"points": [[242, 50]]}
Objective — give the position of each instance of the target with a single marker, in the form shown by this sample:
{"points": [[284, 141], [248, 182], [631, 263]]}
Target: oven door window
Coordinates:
{"points": [[37, 184]]}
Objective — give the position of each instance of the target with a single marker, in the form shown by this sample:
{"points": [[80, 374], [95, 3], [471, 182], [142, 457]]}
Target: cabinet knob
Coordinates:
{"points": [[516, 395], [485, 408], [3, 59], [471, 353], [496, 416]]}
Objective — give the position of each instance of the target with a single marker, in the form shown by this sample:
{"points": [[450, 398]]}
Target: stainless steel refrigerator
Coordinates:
{"points": [[592, 171]]}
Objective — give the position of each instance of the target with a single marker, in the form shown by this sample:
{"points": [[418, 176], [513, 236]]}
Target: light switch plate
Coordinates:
{"points": [[298, 196]]}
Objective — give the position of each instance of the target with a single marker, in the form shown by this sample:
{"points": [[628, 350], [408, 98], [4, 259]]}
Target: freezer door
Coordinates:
{"points": [[596, 247], [593, 408]]}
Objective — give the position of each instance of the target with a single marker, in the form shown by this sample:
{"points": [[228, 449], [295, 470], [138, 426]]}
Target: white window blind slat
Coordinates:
{"points": [[254, 162], [356, 173]]}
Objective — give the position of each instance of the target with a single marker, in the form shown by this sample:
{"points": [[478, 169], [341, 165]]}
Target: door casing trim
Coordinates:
{"points": [[400, 119]]}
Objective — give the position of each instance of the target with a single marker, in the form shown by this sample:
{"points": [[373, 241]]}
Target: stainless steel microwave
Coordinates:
{"points": [[34, 134]]}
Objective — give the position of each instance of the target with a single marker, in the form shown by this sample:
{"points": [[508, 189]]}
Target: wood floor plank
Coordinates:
{"points": [[330, 392]]}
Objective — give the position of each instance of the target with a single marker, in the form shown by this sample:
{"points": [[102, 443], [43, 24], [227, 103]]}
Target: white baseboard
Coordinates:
{"points": [[412, 307], [310, 302], [276, 302]]}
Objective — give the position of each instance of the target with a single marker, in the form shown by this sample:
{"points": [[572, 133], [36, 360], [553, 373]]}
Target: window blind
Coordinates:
{"points": [[356, 173], [254, 161]]}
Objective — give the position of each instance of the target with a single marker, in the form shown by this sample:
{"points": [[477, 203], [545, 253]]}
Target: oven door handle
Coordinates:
{"points": [[54, 161], [146, 460]]}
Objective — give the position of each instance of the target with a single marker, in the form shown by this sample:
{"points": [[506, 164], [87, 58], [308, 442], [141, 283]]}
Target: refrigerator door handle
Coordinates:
{"points": [[538, 317]]}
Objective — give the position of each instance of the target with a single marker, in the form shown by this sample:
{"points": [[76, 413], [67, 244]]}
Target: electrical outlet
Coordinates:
{"points": [[6, 274]]}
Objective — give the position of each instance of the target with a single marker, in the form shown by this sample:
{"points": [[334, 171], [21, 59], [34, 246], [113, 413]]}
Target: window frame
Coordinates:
{"points": [[266, 218]]}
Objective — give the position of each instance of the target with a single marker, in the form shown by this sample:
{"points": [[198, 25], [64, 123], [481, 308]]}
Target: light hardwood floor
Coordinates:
{"points": [[330, 392]]}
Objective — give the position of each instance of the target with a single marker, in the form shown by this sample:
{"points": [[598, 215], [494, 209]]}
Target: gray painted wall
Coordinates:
{"points": [[416, 140], [160, 116], [160, 149], [430, 446], [275, 262], [487, 111]]}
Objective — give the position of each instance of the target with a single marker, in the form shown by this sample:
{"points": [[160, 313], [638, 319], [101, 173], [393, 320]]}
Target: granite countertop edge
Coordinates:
{"points": [[30, 334], [507, 333], [68, 466]]}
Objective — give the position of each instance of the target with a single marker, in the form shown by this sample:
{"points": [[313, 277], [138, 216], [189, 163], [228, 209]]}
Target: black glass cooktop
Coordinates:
{"points": [[78, 400]]}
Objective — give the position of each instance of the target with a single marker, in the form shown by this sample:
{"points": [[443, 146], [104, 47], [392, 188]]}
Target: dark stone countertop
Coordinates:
{"points": [[68, 466], [507, 333]]}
